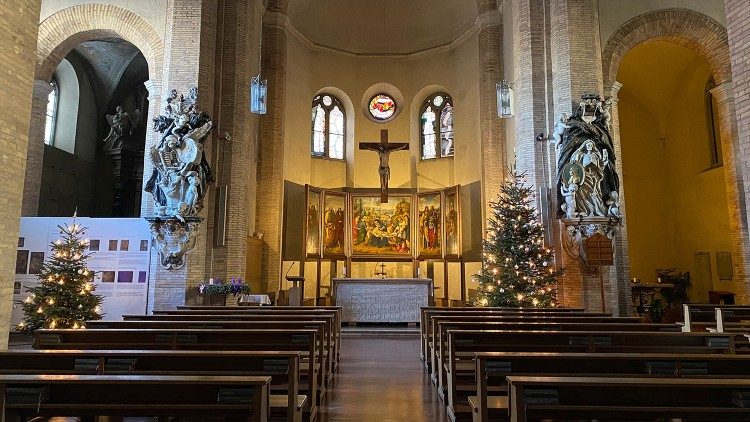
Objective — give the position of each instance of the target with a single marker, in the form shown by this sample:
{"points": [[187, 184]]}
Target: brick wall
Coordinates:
{"points": [[19, 20], [738, 29]]}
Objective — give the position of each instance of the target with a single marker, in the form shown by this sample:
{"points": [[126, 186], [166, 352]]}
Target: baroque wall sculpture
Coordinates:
{"points": [[180, 177]]}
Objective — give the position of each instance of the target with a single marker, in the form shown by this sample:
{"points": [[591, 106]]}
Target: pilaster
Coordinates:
{"points": [[35, 153]]}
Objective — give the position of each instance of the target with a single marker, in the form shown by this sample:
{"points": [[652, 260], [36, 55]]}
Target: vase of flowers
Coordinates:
{"points": [[215, 291]]}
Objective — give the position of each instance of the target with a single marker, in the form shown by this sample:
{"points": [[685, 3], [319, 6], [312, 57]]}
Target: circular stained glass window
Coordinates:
{"points": [[382, 107], [327, 101], [438, 101]]}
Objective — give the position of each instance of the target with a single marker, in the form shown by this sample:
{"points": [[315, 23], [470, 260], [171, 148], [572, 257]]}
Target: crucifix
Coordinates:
{"points": [[384, 149]]}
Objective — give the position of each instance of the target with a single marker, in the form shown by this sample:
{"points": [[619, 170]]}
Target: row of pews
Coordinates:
{"points": [[218, 363], [494, 364]]}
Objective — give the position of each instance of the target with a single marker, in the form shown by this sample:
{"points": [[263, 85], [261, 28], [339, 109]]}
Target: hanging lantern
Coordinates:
{"points": [[505, 100], [258, 95]]}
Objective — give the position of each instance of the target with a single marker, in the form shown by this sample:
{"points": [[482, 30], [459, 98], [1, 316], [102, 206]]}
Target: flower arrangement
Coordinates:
{"points": [[217, 287]]}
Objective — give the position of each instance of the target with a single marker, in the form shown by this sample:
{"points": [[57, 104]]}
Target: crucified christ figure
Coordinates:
{"points": [[384, 150]]}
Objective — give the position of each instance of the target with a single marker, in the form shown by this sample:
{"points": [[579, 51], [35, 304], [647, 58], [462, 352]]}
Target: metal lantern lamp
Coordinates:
{"points": [[505, 100], [258, 95]]}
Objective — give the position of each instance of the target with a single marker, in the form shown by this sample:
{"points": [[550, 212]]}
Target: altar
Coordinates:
{"points": [[382, 300]]}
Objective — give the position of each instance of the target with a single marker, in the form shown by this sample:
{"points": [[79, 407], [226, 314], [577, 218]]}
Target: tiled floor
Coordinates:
{"points": [[381, 379]]}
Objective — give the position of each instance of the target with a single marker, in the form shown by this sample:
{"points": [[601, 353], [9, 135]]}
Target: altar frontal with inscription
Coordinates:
{"points": [[395, 300]]}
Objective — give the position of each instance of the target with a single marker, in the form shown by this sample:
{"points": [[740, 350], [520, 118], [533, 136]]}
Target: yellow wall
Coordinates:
{"points": [[676, 205]]}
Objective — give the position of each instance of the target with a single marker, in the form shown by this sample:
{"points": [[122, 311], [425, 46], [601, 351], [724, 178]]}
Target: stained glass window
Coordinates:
{"points": [[436, 123], [382, 107], [49, 123], [328, 123]]}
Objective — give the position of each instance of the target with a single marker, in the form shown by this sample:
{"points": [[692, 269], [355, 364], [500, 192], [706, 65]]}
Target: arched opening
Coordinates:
{"points": [[94, 160], [674, 184]]}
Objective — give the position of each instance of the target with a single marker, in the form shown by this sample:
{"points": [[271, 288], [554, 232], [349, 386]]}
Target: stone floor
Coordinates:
{"points": [[381, 379]]}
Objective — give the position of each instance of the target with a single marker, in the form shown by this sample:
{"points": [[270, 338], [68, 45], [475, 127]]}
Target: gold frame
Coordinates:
{"points": [[383, 257], [309, 189], [444, 193], [417, 238], [347, 218]]}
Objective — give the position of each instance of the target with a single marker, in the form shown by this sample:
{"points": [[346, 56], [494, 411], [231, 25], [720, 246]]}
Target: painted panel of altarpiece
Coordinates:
{"points": [[381, 230]]}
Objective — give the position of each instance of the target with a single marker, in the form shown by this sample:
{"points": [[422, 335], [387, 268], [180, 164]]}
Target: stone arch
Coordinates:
{"points": [[685, 27], [66, 29]]}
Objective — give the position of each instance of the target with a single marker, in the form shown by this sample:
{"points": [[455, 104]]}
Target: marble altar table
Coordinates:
{"points": [[381, 300]]}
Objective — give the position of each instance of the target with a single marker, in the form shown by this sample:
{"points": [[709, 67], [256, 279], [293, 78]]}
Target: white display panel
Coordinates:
{"points": [[120, 255]]}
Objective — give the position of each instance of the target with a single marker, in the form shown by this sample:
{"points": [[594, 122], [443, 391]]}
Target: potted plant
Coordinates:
{"points": [[216, 290]]}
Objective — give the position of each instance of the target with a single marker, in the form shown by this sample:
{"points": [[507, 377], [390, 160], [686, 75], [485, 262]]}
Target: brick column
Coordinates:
{"points": [[740, 237], [492, 128], [529, 76], [19, 25], [270, 194], [738, 34], [189, 61], [619, 298], [575, 47], [35, 154]]}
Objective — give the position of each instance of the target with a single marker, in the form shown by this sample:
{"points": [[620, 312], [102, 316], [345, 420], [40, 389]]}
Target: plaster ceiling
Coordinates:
{"points": [[382, 27], [114, 62]]}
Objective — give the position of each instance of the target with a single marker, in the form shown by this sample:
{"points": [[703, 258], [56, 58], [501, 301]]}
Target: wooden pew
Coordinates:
{"points": [[426, 312], [493, 367], [431, 348], [295, 340], [28, 395], [700, 316], [464, 344], [282, 367], [442, 327], [334, 311], [536, 398], [733, 320], [325, 377]]}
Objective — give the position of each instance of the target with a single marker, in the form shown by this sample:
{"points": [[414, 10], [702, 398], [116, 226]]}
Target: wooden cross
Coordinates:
{"points": [[384, 149]]}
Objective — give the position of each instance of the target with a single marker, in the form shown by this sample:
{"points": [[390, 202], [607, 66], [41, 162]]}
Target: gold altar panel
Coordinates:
{"points": [[334, 225], [429, 226], [381, 230], [451, 223], [313, 222]]}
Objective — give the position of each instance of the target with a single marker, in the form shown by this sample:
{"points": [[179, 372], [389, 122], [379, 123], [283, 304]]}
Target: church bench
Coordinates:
{"points": [[442, 327], [631, 398], [334, 311], [699, 317], [493, 367], [431, 349], [32, 395], [283, 368], [322, 326], [423, 311], [464, 344], [299, 340], [426, 315]]}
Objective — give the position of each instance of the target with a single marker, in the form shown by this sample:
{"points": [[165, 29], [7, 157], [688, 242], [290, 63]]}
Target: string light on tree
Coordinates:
{"points": [[515, 269], [64, 298]]}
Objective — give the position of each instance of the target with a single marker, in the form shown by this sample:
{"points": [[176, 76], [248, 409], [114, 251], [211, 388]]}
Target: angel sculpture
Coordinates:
{"points": [[121, 123], [181, 173]]}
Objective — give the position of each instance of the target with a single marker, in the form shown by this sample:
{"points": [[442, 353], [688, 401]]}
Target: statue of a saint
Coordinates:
{"points": [[121, 125]]}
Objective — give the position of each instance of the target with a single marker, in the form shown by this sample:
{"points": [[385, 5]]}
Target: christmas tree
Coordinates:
{"points": [[517, 268], [64, 298]]}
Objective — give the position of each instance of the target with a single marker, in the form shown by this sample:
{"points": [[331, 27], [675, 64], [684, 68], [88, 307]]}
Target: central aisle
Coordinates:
{"points": [[381, 379]]}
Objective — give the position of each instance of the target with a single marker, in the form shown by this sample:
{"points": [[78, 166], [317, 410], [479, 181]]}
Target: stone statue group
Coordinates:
{"points": [[588, 184], [181, 173]]}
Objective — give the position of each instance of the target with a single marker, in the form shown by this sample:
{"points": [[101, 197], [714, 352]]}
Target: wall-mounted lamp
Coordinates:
{"points": [[258, 95], [505, 100]]}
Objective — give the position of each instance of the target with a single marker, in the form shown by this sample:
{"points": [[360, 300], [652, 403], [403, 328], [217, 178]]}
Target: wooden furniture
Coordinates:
{"points": [[718, 297], [298, 340], [493, 368], [134, 395], [535, 398], [700, 317], [463, 344], [282, 367], [643, 293], [297, 291]]}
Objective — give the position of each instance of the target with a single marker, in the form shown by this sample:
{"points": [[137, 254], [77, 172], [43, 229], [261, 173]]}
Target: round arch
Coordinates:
{"points": [[685, 27], [63, 31]]}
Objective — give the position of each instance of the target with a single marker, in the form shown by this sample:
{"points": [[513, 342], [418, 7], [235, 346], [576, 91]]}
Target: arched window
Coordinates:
{"points": [[328, 123], [49, 123], [436, 126], [712, 125]]}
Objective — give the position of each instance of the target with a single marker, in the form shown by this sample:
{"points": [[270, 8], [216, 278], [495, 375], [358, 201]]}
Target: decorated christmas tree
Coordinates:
{"points": [[517, 268], [65, 296]]}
